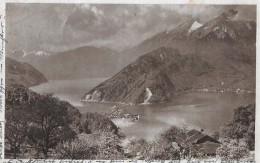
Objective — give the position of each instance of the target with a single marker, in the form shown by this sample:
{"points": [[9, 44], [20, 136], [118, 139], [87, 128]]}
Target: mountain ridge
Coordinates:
{"points": [[228, 45], [213, 34], [152, 78], [22, 73]]}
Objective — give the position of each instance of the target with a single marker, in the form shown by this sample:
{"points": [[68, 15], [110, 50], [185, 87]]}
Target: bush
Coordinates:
{"points": [[160, 149], [103, 146], [76, 149], [242, 126], [109, 146], [94, 122], [173, 132], [233, 149], [163, 150], [138, 147]]}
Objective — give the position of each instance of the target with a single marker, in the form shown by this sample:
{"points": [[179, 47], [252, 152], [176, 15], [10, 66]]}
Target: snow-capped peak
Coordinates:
{"points": [[24, 53], [39, 53], [194, 26], [27, 53]]}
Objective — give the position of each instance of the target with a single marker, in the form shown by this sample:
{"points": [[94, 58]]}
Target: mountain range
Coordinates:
{"points": [[216, 55], [86, 61], [219, 55], [211, 39]]}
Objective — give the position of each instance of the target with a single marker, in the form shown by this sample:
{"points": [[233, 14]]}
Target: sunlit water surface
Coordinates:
{"points": [[199, 110]]}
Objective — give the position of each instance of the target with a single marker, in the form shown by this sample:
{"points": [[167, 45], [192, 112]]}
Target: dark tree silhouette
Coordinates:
{"points": [[16, 128], [51, 122]]}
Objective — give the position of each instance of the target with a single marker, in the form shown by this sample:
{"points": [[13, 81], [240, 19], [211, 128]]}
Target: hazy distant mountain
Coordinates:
{"points": [[27, 56], [22, 73], [82, 62], [152, 78]]}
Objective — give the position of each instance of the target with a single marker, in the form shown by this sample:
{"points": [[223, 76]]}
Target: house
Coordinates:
{"points": [[203, 142]]}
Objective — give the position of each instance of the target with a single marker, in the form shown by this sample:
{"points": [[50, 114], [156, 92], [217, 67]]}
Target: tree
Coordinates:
{"points": [[76, 149], [109, 146], [233, 149], [50, 123], [250, 136], [239, 149], [91, 146], [94, 122], [173, 132], [193, 151], [223, 151], [16, 128], [242, 126], [138, 147], [161, 149]]}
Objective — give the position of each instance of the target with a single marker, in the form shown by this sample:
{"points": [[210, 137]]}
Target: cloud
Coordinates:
{"points": [[58, 27]]}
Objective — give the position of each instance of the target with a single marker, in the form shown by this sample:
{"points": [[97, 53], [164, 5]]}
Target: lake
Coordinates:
{"points": [[199, 110]]}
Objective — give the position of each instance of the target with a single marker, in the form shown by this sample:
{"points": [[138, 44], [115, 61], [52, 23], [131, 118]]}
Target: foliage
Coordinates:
{"points": [[91, 146], [41, 122], [191, 151], [138, 147], [33, 119], [233, 149], [238, 135], [159, 149], [109, 146], [94, 122], [50, 123], [76, 149], [16, 128], [163, 150], [242, 126], [173, 132]]}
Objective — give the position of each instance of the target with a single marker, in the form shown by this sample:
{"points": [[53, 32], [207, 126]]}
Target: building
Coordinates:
{"points": [[203, 142]]}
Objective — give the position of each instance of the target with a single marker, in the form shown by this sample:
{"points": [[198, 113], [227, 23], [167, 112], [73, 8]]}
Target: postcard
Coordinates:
{"points": [[142, 81]]}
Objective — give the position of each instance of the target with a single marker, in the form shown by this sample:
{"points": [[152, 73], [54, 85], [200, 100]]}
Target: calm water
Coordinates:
{"points": [[198, 110]]}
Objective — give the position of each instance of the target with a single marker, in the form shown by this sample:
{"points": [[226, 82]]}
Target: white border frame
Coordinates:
{"points": [[195, 2]]}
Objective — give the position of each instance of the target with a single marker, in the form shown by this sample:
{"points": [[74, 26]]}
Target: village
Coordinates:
{"points": [[119, 112]]}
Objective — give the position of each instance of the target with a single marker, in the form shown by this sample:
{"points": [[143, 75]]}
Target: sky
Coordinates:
{"points": [[60, 27]]}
